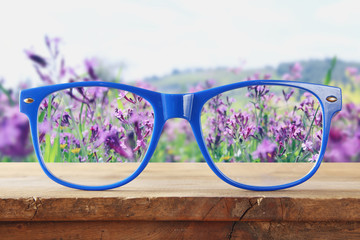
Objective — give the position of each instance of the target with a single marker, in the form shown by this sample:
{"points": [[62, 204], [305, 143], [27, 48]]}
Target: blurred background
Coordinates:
{"points": [[179, 46]]}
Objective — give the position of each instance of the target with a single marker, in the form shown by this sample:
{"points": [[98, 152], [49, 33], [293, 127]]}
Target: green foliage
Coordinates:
{"points": [[327, 79]]}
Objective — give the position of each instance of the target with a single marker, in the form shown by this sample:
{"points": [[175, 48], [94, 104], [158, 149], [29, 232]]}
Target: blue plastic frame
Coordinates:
{"points": [[187, 106]]}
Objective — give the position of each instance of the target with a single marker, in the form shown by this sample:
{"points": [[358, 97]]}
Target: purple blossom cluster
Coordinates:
{"points": [[53, 69], [344, 137], [294, 72], [353, 73], [94, 124], [14, 128], [271, 124]]}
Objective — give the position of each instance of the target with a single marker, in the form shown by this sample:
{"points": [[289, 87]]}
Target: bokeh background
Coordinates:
{"points": [[179, 46]]}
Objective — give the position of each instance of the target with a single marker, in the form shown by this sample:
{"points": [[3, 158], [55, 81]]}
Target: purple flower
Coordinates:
{"points": [[174, 128], [123, 94], [288, 95], [69, 139], [202, 86], [343, 152], [140, 144], [62, 68], [53, 45], [351, 146], [314, 158], [287, 77], [247, 132], [44, 127], [281, 133], [318, 119], [296, 132], [120, 115], [64, 119], [296, 68], [112, 141], [222, 109], [90, 65], [343, 146], [255, 76], [294, 73], [307, 146], [266, 151], [14, 134], [95, 133], [36, 58], [267, 76], [351, 71], [95, 92], [335, 135]]}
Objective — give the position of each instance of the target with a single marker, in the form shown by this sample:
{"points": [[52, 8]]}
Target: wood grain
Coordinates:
{"points": [[179, 201], [179, 230]]}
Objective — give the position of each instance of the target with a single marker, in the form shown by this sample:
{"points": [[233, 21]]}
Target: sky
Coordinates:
{"points": [[155, 37]]}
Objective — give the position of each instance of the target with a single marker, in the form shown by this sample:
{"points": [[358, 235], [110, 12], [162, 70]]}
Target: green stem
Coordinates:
{"points": [[80, 123], [312, 123], [7, 93], [308, 133], [256, 116]]}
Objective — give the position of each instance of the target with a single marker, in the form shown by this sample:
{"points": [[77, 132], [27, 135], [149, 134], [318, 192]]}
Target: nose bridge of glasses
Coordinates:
{"points": [[177, 105]]}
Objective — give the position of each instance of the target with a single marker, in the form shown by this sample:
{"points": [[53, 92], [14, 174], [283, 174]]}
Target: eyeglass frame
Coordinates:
{"points": [[187, 106]]}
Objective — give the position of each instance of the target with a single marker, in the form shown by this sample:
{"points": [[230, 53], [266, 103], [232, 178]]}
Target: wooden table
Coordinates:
{"points": [[179, 201]]}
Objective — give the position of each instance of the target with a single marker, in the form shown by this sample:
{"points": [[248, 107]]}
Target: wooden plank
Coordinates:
{"points": [[175, 208], [179, 192], [179, 230]]}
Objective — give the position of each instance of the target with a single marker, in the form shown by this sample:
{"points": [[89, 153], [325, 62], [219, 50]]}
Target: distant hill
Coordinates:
{"points": [[313, 71]]}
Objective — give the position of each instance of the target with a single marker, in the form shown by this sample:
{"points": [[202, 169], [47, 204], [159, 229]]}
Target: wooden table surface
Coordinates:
{"points": [[179, 201]]}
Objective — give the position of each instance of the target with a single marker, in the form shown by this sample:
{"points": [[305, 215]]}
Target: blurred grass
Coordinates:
{"points": [[327, 79]]}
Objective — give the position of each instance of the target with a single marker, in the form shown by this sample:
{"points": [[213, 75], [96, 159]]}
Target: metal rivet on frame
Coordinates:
{"points": [[28, 100], [331, 99]]}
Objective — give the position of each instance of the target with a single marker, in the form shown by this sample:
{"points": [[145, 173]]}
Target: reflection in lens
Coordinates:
{"points": [[94, 135], [278, 127]]}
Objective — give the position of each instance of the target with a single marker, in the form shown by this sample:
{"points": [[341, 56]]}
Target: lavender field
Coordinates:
{"points": [[253, 124]]}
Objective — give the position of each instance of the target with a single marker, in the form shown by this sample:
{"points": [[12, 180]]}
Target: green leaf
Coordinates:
{"points": [[41, 117], [80, 123], [327, 79], [90, 134], [55, 150], [120, 104], [49, 109], [47, 148]]}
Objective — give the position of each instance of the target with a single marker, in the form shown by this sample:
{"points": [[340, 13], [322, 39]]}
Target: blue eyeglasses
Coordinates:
{"points": [[257, 135]]}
